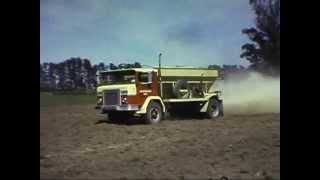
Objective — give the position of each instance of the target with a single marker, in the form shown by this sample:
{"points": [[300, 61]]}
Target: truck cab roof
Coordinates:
{"points": [[175, 71], [132, 69]]}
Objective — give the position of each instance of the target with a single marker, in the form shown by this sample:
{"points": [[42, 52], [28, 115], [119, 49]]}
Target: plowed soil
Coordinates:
{"points": [[78, 143]]}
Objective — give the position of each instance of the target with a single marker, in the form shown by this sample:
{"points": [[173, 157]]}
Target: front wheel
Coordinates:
{"points": [[214, 109], [154, 113]]}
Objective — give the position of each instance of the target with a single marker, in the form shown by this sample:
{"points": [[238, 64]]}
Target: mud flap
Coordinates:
{"points": [[166, 115], [221, 114]]}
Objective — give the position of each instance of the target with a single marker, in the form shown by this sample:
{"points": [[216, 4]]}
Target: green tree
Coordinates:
{"points": [[137, 65], [214, 66], [264, 52]]}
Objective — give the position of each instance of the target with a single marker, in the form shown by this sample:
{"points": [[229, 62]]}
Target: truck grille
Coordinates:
{"points": [[111, 97]]}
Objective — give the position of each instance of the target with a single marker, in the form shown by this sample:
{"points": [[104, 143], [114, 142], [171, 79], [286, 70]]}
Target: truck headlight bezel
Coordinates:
{"points": [[124, 99], [99, 101]]}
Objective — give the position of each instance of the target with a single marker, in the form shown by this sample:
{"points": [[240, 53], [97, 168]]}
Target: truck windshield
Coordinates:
{"points": [[118, 77]]}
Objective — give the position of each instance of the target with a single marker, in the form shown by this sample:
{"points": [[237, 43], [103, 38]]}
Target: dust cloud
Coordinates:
{"points": [[253, 94]]}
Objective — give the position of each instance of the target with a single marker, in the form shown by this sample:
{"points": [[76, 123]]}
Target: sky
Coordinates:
{"points": [[186, 32]]}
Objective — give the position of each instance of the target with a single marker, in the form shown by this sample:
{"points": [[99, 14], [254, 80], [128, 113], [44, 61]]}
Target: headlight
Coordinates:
{"points": [[99, 100], [124, 99]]}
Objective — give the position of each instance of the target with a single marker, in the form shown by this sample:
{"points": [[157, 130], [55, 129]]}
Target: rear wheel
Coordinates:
{"points": [[214, 108], [154, 113]]}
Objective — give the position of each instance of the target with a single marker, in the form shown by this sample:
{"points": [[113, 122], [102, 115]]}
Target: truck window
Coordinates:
{"points": [[118, 77], [145, 77]]}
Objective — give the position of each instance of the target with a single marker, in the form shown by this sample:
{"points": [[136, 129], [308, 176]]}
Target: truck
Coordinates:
{"points": [[152, 92]]}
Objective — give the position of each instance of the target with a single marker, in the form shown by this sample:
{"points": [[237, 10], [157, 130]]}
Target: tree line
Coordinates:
{"points": [[74, 73], [79, 73]]}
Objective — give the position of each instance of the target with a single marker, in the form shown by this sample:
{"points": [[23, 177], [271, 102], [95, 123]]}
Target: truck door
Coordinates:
{"points": [[146, 84]]}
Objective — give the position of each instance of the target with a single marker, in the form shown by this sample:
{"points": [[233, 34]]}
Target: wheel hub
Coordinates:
{"points": [[154, 114]]}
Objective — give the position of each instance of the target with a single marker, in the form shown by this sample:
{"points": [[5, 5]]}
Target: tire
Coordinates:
{"points": [[181, 84], [221, 108], [154, 113], [214, 109]]}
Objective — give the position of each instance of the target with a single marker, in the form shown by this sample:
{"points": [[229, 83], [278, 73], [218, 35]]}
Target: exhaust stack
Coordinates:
{"points": [[159, 74]]}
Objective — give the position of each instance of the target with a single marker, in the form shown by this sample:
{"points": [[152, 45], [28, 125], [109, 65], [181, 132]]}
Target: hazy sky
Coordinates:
{"points": [[187, 32]]}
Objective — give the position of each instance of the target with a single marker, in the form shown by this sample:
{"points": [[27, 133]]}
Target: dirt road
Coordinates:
{"points": [[78, 143]]}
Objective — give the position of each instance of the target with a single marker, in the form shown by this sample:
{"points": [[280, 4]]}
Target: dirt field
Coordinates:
{"points": [[77, 143]]}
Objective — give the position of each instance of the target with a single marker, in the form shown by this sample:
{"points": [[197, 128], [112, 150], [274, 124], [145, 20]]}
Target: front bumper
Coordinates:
{"points": [[106, 108]]}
